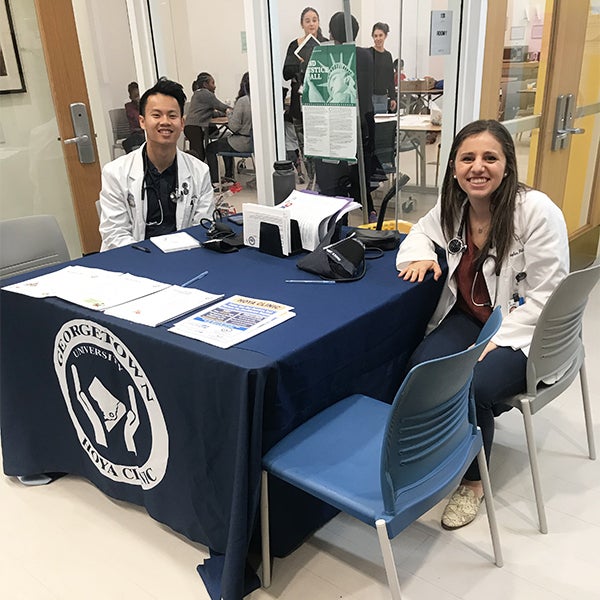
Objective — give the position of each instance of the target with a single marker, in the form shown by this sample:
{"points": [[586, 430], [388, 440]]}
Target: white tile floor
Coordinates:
{"points": [[67, 541]]}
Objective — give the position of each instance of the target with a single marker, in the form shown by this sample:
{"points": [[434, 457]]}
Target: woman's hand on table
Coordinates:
{"points": [[417, 270]]}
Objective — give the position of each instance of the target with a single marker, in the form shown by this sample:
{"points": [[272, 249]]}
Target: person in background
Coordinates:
{"points": [[204, 105], [240, 140], [342, 179], [132, 109], [384, 88], [293, 70], [402, 74], [506, 245], [156, 189]]}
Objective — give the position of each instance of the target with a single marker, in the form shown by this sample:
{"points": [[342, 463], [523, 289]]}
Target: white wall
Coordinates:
{"points": [[522, 17]]}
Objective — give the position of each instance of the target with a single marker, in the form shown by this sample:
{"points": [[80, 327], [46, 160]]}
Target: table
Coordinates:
{"points": [[205, 415], [418, 126], [417, 100]]}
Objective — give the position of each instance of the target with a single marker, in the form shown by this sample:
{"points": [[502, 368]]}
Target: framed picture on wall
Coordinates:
{"points": [[11, 72]]}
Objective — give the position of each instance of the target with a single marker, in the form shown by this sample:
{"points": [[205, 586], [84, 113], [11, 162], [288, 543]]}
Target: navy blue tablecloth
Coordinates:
{"points": [[179, 426]]}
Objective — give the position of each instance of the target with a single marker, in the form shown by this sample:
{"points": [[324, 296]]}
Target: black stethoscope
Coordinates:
{"points": [[175, 196], [457, 245]]}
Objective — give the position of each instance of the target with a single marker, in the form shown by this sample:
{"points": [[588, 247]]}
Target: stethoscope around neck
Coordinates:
{"points": [[457, 245], [175, 196]]}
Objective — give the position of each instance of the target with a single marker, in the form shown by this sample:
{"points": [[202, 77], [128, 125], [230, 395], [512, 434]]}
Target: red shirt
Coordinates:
{"points": [[470, 294]]}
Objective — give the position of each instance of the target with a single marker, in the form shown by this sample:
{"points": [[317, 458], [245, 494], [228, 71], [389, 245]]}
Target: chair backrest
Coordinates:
{"points": [[556, 342], [432, 416], [30, 243], [119, 123], [385, 142]]}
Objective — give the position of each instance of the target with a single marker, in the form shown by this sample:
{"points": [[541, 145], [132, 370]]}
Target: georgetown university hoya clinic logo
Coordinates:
{"points": [[116, 415]]}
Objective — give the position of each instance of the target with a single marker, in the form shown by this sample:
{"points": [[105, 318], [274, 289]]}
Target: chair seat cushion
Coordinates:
{"points": [[338, 445], [336, 457]]}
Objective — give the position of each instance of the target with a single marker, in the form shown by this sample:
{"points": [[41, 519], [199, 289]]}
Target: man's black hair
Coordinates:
{"points": [[337, 27], [168, 88]]}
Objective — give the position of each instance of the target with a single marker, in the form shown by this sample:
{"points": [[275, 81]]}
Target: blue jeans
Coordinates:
{"points": [[501, 374], [380, 103]]}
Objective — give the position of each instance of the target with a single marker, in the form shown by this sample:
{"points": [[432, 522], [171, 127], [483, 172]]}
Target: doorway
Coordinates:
{"points": [[545, 63]]}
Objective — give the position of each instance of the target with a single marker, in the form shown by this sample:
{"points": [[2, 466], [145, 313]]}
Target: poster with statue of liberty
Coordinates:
{"points": [[329, 100]]}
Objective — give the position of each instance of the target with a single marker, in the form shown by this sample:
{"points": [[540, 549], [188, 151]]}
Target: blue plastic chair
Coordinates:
{"points": [[386, 464]]}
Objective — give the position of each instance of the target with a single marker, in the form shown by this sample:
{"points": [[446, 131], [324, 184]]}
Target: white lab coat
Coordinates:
{"points": [[540, 249], [123, 213]]}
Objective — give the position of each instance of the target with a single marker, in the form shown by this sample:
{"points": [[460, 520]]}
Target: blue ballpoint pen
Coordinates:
{"points": [[203, 274], [309, 281]]}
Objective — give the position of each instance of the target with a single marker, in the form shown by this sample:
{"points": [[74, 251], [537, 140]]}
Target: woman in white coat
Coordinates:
{"points": [[156, 189], [506, 245]]}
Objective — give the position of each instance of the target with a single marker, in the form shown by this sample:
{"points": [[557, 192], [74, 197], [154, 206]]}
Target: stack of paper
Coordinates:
{"points": [[233, 320], [93, 288], [315, 214], [121, 295], [172, 242], [163, 306], [255, 214]]}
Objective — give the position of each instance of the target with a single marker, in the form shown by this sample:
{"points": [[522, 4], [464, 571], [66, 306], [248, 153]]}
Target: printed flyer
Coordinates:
{"points": [[329, 99]]}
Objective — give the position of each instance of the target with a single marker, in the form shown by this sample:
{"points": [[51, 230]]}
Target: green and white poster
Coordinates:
{"points": [[329, 103]]}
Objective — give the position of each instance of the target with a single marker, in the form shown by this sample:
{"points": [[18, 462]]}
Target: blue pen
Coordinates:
{"points": [[203, 274], [308, 281]]}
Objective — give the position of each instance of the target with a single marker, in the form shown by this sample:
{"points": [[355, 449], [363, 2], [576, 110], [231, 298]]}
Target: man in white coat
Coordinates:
{"points": [[156, 189]]}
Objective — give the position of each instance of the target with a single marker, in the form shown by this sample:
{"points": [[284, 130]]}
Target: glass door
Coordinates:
{"points": [[546, 90], [32, 168]]}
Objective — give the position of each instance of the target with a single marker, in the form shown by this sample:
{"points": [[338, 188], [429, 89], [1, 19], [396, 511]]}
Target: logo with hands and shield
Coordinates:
{"points": [[112, 404]]}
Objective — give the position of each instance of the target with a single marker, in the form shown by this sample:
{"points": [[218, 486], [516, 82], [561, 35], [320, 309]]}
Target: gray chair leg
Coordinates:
{"points": [[388, 560], [219, 159], [264, 530], [533, 462], [587, 411], [490, 508]]}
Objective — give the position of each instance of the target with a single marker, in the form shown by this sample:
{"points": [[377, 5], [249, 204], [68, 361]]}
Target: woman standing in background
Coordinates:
{"points": [[383, 87], [294, 69]]}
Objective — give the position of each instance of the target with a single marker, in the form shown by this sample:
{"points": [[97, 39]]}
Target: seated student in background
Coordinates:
{"points": [[402, 74], [240, 140], [204, 105], [132, 109], [506, 246], [156, 189]]}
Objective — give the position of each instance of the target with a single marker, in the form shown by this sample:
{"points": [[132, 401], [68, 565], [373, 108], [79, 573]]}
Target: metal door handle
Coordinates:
{"points": [[83, 135], [572, 130], [76, 140]]}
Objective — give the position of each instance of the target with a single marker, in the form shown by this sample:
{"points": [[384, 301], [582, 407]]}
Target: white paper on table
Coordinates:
{"points": [[255, 214], [173, 242], [104, 289], [233, 320], [164, 305], [45, 286]]}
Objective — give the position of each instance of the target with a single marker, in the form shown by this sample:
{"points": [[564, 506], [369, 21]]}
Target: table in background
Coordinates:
{"points": [[208, 414], [418, 126], [414, 101]]}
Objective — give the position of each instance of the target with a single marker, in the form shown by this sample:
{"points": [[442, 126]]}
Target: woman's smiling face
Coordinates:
{"points": [[480, 165]]}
